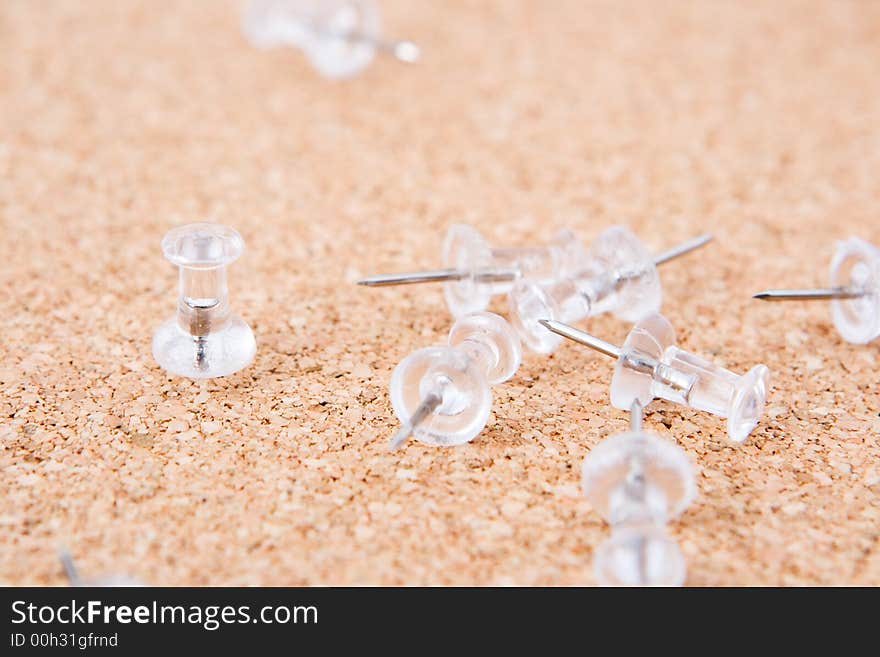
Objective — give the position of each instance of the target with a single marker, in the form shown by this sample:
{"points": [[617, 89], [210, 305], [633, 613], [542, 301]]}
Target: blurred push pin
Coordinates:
{"points": [[651, 366], [340, 37], [205, 339], [617, 275], [854, 291], [73, 576], [639, 482], [443, 395], [474, 271]]}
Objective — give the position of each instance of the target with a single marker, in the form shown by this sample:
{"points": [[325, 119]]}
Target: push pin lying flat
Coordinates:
{"points": [[617, 275], [443, 395], [74, 578], [651, 366], [854, 291], [340, 37], [639, 482], [474, 271], [205, 339]]}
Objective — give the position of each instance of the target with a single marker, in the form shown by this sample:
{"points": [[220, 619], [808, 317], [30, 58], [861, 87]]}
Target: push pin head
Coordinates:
{"points": [[617, 275], [474, 271], [639, 482], [854, 291], [643, 556], [340, 37], [467, 252], [492, 271], [651, 366], [205, 339], [443, 395]]}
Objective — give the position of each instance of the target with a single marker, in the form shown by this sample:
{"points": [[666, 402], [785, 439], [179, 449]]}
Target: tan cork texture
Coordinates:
{"points": [[757, 121]]}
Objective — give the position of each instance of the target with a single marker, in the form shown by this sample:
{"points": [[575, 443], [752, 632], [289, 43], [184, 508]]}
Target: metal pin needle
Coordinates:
{"points": [[437, 275], [636, 413], [403, 51], [682, 249], [69, 566], [581, 337], [809, 294], [429, 405], [501, 275]]}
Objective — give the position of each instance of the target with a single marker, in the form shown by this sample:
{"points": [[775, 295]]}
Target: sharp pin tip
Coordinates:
{"points": [[408, 52], [372, 281], [550, 325], [399, 438]]}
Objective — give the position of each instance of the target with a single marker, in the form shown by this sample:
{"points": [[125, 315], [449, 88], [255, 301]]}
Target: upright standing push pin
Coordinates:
{"points": [[340, 37], [618, 275], [74, 578], [443, 395], [474, 271], [639, 482], [854, 291], [651, 366], [205, 339]]}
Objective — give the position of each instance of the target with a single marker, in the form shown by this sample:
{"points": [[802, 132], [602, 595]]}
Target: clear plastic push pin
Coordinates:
{"points": [[73, 575], [650, 366], [205, 339], [443, 395], [854, 291], [618, 275], [340, 37], [474, 271], [639, 482]]}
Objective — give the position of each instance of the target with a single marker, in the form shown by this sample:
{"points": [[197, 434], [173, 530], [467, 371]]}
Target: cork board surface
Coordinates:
{"points": [[757, 121]]}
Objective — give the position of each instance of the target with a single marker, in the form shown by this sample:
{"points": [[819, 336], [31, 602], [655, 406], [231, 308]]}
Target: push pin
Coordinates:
{"points": [[74, 578], [340, 37], [205, 339], [651, 366], [618, 275], [639, 482], [443, 395], [474, 271], [854, 291]]}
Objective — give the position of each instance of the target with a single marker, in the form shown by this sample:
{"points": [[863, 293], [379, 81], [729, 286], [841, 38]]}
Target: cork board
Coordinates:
{"points": [[118, 120]]}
